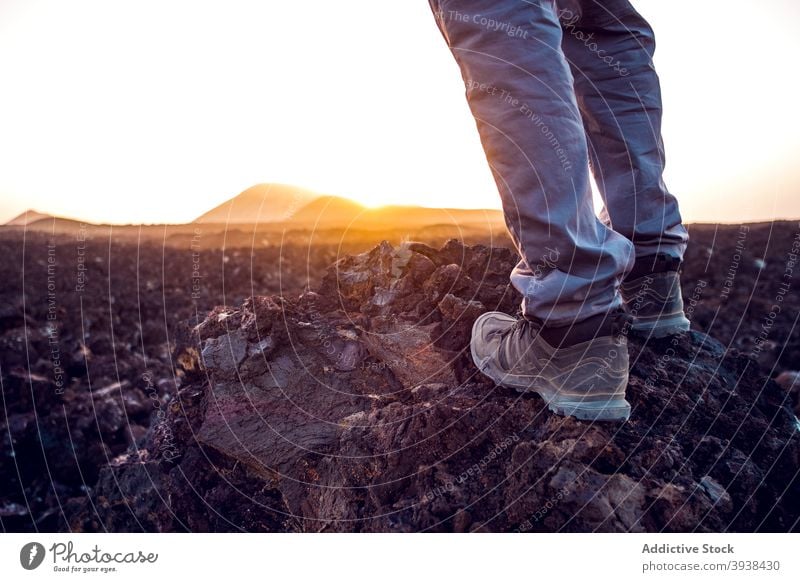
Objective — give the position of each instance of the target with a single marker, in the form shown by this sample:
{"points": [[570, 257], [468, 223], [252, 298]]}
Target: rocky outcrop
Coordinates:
{"points": [[356, 408]]}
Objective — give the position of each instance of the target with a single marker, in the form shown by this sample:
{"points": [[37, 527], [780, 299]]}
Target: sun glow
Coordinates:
{"points": [[368, 202]]}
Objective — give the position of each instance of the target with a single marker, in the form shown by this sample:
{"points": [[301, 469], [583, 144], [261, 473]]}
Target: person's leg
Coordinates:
{"points": [[610, 48], [520, 91]]}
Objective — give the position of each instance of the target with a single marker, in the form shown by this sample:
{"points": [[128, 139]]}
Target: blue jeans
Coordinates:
{"points": [[561, 90]]}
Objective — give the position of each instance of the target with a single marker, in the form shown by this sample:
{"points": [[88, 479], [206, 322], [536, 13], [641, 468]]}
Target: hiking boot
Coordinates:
{"points": [[651, 293], [579, 370]]}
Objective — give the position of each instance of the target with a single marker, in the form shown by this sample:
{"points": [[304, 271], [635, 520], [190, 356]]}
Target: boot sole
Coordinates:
{"points": [[608, 406], [661, 327]]}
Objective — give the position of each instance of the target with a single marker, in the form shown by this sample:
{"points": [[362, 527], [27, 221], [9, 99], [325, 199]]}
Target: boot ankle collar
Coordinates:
{"points": [[649, 265]]}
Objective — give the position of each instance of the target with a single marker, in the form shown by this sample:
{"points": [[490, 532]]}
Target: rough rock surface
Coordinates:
{"points": [[357, 408]]}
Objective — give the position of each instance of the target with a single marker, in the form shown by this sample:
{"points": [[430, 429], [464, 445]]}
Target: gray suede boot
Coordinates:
{"points": [[651, 294], [579, 370]]}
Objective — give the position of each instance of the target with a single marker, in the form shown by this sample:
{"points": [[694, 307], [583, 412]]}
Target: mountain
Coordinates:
{"points": [[282, 206], [27, 217], [298, 208], [328, 212], [260, 203]]}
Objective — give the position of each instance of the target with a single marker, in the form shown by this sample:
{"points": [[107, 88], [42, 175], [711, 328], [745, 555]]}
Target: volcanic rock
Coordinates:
{"points": [[357, 408]]}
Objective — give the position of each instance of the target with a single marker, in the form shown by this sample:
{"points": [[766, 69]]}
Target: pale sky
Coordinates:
{"points": [[157, 110]]}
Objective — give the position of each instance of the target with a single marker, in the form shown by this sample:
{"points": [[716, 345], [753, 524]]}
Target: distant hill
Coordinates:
{"points": [[259, 204], [287, 206], [58, 225], [328, 212], [278, 207], [27, 217]]}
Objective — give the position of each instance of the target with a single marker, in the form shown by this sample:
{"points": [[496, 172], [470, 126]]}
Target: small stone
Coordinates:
{"points": [[716, 492], [221, 356]]}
